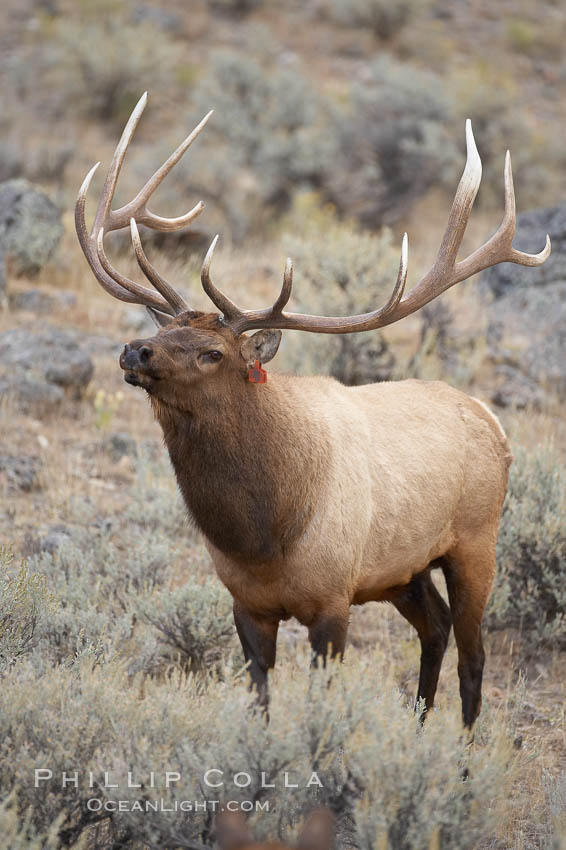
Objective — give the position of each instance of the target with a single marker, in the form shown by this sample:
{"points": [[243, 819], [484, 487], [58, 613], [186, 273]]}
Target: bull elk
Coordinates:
{"points": [[313, 496]]}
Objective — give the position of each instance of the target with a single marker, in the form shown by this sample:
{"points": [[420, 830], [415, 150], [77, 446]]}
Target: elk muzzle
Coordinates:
{"points": [[135, 360]]}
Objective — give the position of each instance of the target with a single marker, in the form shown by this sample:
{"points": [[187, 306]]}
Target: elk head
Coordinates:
{"points": [[195, 352], [193, 349]]}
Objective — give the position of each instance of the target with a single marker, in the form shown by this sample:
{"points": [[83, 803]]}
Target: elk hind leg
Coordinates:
{"points": [[425, 609], [469, 574]]}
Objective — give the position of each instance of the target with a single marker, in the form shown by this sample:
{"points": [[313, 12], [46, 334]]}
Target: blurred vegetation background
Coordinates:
{"points": [[360, 101]]}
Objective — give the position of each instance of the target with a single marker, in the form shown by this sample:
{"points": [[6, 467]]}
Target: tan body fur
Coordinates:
{"points": [[409, 472]]}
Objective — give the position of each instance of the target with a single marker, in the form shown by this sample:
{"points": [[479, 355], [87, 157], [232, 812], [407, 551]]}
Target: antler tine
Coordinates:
{"points": [[178, 303], [237, 318], [507, 226], [429, 287], [116, 219], [271, 317], [462, 203], [116, 165], [499, 248], [131, 293], [445, 272], [107, 219], [158, 222], [143, 295], [399, 287], [274, 317], [229, 310], [286, 288]]}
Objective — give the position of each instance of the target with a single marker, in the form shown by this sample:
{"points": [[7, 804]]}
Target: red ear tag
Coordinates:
{"points": [[256, 374]]}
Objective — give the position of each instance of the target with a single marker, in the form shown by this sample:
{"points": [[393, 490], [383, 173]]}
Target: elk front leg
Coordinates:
{"points": [[258, 636], [327, 635]]}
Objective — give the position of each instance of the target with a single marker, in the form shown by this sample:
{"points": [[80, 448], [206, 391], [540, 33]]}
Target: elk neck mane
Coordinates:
{"points": [[249, 462]]}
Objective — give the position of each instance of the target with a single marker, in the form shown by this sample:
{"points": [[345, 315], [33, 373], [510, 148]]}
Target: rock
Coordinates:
{"points": [[57, 536], [38, 364], [147, 13], [38, 301], [76, 372], [30, 395], [21, 471], [46, 540], [30, 226], [532, 228], [119, 445], [531, 322], [527, 317], [516, 390]]}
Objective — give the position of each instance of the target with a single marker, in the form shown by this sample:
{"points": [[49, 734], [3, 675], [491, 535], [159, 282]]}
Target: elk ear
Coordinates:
{"points": [[232, 832], [160, 319], [261, 346], [318, 832]]}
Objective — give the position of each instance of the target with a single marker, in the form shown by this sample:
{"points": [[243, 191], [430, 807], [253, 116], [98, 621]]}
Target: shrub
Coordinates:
{"points": [[555, 791], [26, 606], [194, 622], [99, 574], [394, 143], [521, 35], [387, 780], [267, 136], [384, 17], [64, 730], [105, 570], [396, 784], [108, 81], [530, 590], [499, 125], [19, 834], [58, 66], [340, 270], [446, 350], [154, 502]]}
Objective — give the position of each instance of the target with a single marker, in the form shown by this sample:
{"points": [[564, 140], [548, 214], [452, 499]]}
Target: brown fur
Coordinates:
{"points": [[313, 496]]}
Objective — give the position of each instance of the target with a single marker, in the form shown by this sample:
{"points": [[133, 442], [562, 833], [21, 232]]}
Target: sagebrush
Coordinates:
{"points": [[530, 589], [344, 271]]}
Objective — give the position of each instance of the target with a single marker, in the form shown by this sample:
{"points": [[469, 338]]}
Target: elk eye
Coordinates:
{"points": [[213, 356]]}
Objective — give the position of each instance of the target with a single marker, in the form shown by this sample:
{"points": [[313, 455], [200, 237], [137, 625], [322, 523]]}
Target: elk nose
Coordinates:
{"points": [[132, 357], [145, 353]]}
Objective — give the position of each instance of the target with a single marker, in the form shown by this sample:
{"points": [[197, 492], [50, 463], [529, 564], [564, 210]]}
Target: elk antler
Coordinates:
{"points": [[444, 273], [107, 219]]}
